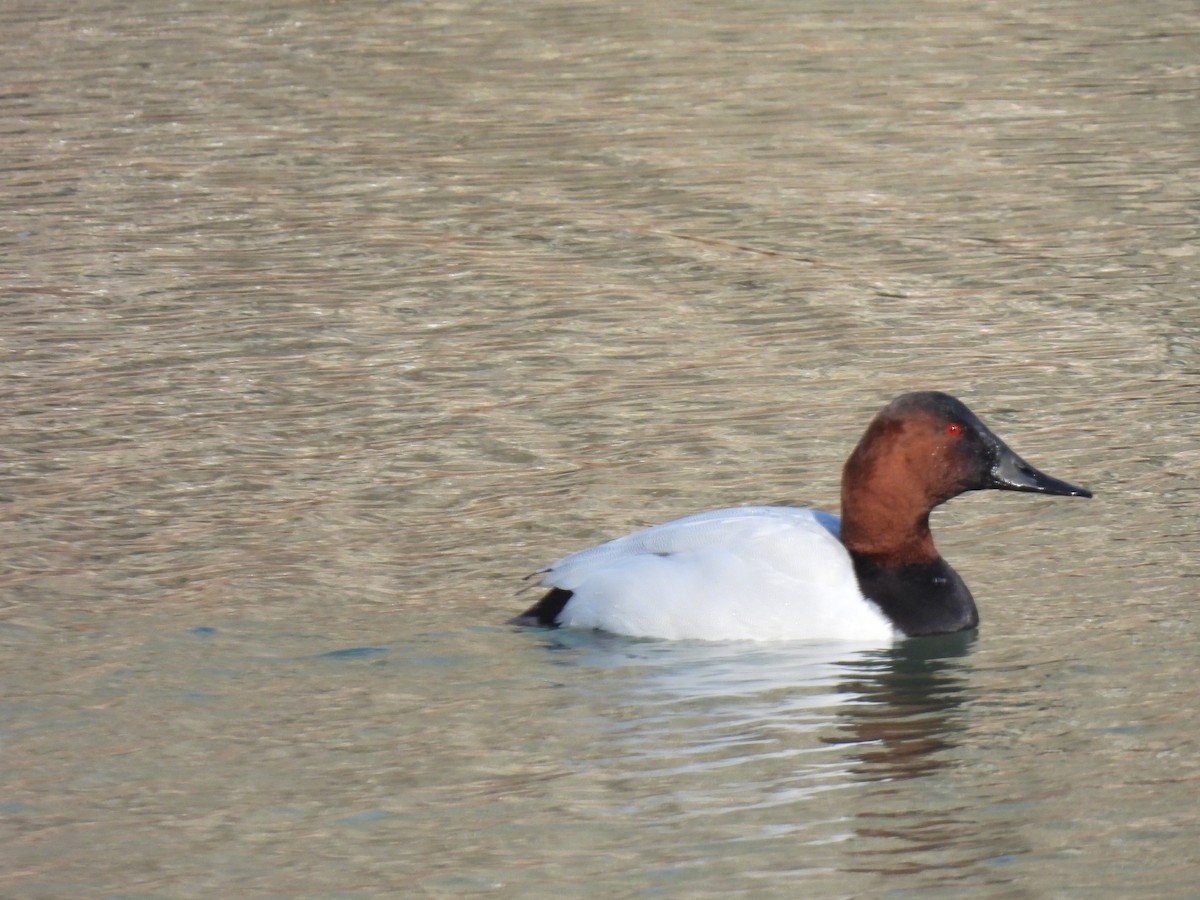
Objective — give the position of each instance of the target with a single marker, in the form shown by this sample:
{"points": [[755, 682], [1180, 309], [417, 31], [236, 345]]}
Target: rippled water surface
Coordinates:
{"points": [[325, 323]]}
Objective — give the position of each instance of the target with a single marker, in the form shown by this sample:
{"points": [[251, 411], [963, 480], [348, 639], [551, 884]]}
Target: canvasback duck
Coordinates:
{"points": [[781, 573]]}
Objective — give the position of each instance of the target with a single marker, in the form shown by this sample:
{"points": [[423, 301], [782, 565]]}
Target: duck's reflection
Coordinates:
{"points": [[822, 740], [900, 713], [891, 710]]}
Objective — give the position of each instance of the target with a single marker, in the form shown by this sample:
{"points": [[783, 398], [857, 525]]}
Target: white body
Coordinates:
{"points": [[750, 573]]}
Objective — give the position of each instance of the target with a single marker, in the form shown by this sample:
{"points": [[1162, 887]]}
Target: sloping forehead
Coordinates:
{"points": [[933, 406]]}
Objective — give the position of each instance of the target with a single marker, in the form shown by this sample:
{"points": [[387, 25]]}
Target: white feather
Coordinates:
{"points": [[749, 573]]}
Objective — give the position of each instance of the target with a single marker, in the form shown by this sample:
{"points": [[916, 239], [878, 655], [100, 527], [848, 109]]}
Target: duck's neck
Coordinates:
{"points": [[885, 527]]}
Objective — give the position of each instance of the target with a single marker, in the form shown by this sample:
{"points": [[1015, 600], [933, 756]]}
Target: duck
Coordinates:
{"points": [[872, 575]]}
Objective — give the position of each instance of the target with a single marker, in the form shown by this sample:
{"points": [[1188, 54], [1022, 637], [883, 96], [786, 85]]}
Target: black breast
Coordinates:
{"points": [[923, 598]]}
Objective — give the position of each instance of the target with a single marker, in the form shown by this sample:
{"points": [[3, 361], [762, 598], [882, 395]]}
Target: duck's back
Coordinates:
{"points": [[756, 572]]}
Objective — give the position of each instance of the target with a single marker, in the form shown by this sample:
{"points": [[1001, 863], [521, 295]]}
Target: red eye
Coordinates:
{"points": [[953, 429]]}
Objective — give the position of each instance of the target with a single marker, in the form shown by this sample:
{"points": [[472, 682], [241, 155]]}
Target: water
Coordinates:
{"points": [[326, 323]]}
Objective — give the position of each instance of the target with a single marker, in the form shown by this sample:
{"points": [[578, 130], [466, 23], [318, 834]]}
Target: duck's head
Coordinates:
{"points": [[919, 451]]}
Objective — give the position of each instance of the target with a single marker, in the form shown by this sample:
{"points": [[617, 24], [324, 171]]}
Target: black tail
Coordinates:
{"points": [[546, 611]]}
